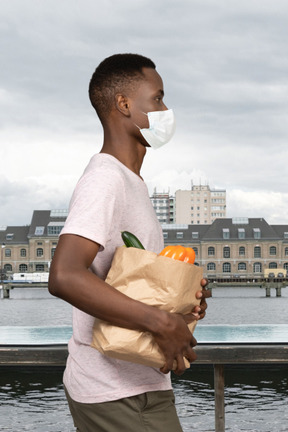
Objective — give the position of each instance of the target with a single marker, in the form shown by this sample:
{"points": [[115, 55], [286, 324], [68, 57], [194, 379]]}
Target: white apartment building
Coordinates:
{"points": [[200, 205], [163, 205]]}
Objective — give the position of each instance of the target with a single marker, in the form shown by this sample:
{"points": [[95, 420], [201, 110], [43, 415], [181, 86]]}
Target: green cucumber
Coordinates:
{"points": [[130, 240]]}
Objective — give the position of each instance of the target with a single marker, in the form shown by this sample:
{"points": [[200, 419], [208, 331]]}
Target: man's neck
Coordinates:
{"points": [[131, 154]]}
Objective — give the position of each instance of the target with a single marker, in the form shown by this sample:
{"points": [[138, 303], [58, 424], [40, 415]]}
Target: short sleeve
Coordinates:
{"points": [[96, 205]]}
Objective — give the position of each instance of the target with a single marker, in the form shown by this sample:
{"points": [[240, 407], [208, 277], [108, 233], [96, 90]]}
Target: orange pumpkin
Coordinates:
{"points": [[179, 253]]}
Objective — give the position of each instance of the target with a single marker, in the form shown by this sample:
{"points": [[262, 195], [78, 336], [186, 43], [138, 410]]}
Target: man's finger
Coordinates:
{"points": [[206, 293]]}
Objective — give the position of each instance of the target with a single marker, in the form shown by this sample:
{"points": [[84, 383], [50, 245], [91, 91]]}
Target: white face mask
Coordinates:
{"points": [[161, 128]]}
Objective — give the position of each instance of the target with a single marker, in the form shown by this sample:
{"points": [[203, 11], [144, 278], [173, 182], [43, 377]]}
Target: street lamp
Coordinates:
{"points": [[2, 250]]}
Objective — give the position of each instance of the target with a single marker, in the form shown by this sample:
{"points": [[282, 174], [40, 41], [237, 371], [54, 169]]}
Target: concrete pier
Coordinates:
{"points": [[7, 287], [267, 284]]}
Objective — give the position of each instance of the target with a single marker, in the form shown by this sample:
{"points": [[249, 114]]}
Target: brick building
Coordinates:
{"points": [[31, 248], [238, 246]]}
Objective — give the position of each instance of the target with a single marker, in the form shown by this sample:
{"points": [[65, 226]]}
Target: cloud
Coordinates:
{"points": [[225, 71], [18, 196], [272, 206]]}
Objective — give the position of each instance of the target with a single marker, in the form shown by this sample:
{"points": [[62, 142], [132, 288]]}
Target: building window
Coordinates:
{"points": [[39, 230], [285, 266], [242, 266], [241, 233], [195, 250], [226, 233], [23, 252], [285, 235], [211, 251], [7, 252], [179, 235], [257, 267], [257, 252], [9, 236], [195, 235], [257, 233], [272, 265], [241, 251], [211, 266], [165, 235], [54, 228], [286, 251], [53, 252], [226, 268], [23, 268], [39, 252], [7, 268], [272, 250], [40, 267], [226, 252]]}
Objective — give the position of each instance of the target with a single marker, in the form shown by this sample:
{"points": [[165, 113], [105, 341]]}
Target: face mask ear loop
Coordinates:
{"points": [[136, 124]]}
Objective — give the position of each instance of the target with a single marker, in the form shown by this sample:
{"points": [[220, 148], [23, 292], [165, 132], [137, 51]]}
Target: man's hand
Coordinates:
{"points": [[200, 311], [174, 337], [175, 340]]}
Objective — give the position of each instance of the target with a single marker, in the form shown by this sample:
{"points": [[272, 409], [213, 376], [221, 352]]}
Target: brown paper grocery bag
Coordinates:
{"points": [[157, 281]]}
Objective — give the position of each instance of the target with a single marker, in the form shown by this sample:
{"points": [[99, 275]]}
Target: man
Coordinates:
{"points": [[105, 394]]}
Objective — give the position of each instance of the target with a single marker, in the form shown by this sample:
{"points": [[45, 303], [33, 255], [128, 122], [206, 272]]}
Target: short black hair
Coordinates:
{"points": [[117, 73]]}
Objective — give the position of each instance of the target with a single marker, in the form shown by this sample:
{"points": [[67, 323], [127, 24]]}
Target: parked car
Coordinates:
{"points": [[271, 275], [280, 275]]}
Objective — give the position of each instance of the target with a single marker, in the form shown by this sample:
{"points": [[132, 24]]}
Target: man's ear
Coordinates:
{"points": [[122, 104]]}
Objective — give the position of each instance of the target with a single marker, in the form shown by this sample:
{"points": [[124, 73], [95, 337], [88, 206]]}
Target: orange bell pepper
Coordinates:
{"points": [[179, 253]]}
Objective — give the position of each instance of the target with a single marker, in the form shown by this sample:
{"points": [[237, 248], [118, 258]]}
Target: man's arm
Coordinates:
{"points": [[71, 280]]}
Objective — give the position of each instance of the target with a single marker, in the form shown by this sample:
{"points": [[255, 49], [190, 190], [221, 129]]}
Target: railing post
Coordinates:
{"points": [[219, 398], [6, 292], [278, 291]]}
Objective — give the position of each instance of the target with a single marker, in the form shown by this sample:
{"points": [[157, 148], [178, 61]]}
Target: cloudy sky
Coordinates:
{"points": [[225, 69]]}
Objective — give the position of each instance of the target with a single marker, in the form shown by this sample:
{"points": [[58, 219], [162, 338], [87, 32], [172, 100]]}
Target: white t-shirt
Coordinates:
{"points": [[109, 198]]}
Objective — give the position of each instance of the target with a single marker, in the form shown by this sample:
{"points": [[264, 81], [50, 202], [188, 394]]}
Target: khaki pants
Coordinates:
{"points": [[147, 412]]}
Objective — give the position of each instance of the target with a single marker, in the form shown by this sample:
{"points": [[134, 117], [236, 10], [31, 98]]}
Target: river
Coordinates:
{"points": [[256, 397]]}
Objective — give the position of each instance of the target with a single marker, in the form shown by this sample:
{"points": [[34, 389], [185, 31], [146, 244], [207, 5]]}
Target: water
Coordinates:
{"points": [[33, 401], [256, 397]]}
